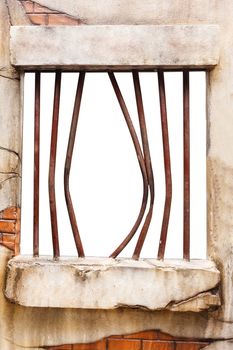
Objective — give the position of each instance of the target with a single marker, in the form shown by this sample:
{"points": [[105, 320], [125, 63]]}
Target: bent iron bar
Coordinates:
{"points": [[36, 167], [141, 164], [52, 165], [68, 161], [186, 140], [149, 170], [167, 166], [144, 160]]}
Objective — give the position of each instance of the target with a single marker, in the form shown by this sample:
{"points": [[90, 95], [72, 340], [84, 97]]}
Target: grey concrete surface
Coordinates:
{"points": [[144, 46], [108, 284]]}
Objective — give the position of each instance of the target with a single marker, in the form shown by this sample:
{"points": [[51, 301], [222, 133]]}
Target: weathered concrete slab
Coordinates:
{"points": [[108, 283], [118, 47]]}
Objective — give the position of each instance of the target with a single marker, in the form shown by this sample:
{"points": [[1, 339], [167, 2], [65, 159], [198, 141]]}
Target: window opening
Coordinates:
{"points": [[156, 195]]}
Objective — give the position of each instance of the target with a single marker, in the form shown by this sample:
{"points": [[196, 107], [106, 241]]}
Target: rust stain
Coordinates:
{"points": [[10, 228]]}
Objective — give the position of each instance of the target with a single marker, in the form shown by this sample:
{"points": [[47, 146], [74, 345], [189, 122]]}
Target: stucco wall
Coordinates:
{"points": [[34, 327]]}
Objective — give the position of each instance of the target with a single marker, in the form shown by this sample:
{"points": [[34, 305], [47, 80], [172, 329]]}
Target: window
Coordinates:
{"points": [[105, 180]]}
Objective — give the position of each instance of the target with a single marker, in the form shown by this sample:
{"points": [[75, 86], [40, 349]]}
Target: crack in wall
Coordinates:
{"points": [[11, 151], [55, 11], [10, 173], [8, 11], [177, 303], [7, 77], [8, 179]]}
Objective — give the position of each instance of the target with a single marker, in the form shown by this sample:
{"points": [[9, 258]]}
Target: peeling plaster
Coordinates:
{"points": [[56, 326]]}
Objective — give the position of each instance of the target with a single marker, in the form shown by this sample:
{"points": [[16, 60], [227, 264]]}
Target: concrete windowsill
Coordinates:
{"points": [[104, 283]]}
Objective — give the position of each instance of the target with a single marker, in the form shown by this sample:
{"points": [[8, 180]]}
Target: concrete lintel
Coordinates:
{"points": [[92, 283], [114, 46]]}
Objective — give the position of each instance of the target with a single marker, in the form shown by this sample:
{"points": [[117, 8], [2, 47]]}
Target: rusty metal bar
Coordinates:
{"points": [[141, 164], [36, 198], [149, 170], [52, 165], [68, 161], [186, 140], [167, 166]]}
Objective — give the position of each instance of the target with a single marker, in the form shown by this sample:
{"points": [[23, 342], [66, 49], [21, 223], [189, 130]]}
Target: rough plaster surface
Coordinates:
{"points": [[136, 11], [17, 15], [59, 326], [221, 345], [10, 119], [82, 283], [220, 161], [53, 326], [115, 46]]}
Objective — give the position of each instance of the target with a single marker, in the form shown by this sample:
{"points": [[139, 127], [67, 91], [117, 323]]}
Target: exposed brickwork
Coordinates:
{"points": [[157, 345], [148, 340], [41, 15], [124, 344], [10, 228]]}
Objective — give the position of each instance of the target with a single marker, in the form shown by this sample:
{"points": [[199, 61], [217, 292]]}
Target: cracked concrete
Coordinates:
{"points": [[16, 13], [57, 325], [53, 326], [200, 302], [10, 112], [124, 282]]}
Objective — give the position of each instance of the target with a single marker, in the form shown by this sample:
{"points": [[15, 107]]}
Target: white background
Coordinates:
{"points": [[105, 182]]}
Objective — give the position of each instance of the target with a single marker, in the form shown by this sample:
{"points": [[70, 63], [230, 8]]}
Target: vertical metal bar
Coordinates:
{"points": [[149, 170], [167, 166], [186, 140], [52, 165], [36, 189], [68, 161], [141, 164]]}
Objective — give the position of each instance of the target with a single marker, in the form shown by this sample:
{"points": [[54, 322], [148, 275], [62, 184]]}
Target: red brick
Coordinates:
{"points": [[7, 226], [60, 19], [143, 335], [28, 5], [40, 19], [157, 345], [11, 213], [7, 241], [190, 346], [7, 238], [10, 228], [100, 345], [124, 344]]}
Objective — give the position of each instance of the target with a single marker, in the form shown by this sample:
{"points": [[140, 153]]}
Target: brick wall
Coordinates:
{"points": [[10, 229], [149, 340], [41, 15]]}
